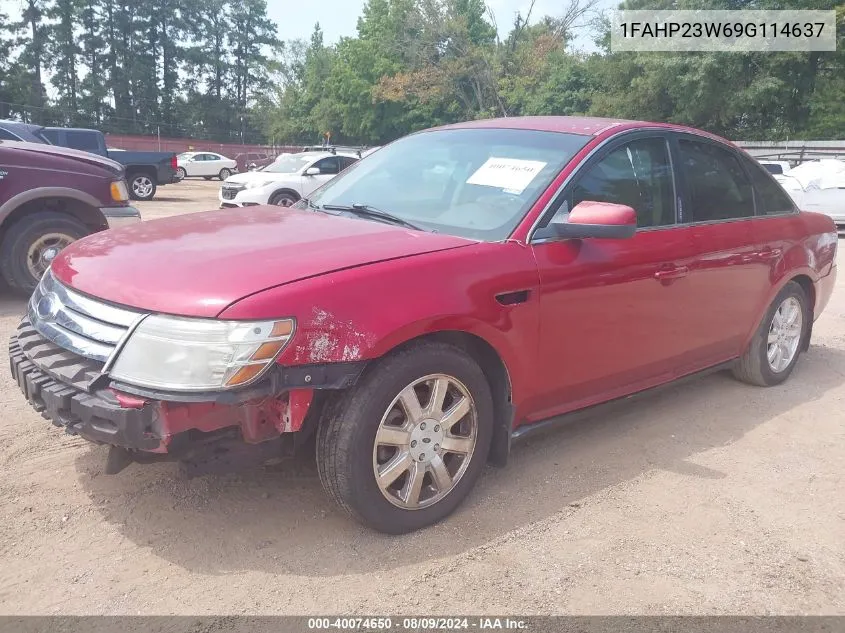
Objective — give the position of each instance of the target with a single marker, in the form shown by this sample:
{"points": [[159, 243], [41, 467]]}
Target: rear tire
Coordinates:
{"points": [[283, 199], [142, 186], [32, 243], [352, 435], [225, 173], [763, 364]]}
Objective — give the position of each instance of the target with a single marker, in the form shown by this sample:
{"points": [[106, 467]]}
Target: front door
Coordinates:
{"points": [[329, 168], [614, 312]]}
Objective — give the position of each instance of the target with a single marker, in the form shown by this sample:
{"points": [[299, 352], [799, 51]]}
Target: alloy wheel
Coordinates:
{"points": [[425, 442], [784, 334], [142, 186]]}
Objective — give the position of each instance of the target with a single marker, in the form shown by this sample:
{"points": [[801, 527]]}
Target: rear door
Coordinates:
{"points": [[615, 313], [727, 276]]}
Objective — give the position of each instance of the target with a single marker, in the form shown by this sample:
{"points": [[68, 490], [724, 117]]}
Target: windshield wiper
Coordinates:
{"points": [[366, 211]]}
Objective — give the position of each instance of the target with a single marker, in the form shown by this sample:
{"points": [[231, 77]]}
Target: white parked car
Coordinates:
{"points": [[775, 167], [286, 180], [206, 165], [818, 186]]}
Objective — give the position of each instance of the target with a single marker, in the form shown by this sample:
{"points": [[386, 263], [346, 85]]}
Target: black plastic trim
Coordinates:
{"points": [[329, 376], [97, 417]]}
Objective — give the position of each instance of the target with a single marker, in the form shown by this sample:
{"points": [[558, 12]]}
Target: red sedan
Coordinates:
{"points": [[448, 294]]}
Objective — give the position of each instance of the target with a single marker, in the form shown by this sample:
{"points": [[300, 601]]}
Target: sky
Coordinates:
{"points": [[339, 18]]}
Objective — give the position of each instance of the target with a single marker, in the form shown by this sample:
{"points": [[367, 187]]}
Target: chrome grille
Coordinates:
{"points": [[76, 323]]}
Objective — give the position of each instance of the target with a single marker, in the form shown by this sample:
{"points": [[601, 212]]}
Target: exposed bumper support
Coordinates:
{"points": [[121, 216]]}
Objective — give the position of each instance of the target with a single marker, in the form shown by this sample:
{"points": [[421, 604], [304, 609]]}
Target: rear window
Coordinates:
{"points": [[86, 141]]}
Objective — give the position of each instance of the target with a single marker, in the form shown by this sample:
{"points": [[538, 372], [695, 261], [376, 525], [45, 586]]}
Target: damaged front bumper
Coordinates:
{"points": [[197, 429]]}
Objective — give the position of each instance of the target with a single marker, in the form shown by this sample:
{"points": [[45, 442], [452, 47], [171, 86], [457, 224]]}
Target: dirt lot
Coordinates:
{"points": [[711, 498]]}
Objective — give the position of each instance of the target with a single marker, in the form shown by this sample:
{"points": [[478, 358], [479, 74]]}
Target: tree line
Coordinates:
{"points": [[215, 69], [171, 67]]}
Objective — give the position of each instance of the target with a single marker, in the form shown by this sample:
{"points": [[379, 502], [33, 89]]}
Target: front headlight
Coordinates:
{"points": [[259, 184], [183, 354]]}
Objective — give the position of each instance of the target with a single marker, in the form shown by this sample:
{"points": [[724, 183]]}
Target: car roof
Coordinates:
{"points": [[587, 126]]}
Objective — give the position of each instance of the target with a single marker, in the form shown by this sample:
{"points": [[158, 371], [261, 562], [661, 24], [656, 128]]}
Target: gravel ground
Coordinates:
{"points": [[711, 498]]}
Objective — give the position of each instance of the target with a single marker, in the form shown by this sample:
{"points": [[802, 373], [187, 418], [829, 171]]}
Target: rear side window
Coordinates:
{"points": [[5, 135], [86, 141], [717, 186], [773, 168], [771, 198], [639, 175]]}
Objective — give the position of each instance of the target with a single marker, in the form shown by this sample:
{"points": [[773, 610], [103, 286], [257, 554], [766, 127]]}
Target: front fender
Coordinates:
{"points": [[363, 313]]}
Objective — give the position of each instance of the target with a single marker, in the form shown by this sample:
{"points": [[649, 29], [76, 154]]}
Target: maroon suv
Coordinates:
{"points": [[49, 197]]}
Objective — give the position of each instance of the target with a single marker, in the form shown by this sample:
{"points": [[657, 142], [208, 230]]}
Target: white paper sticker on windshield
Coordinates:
{"points": [[512, 174]]}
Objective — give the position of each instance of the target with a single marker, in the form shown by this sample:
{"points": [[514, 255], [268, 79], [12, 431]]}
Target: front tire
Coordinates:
{"points": [[283, 199], [403, 448], [181, 174], [774, 350], [31, 244], [141, 186]]}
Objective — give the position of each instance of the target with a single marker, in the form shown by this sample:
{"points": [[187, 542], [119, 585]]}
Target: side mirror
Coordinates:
{"points": [[589, 219], [252, 166], [312, 171]]}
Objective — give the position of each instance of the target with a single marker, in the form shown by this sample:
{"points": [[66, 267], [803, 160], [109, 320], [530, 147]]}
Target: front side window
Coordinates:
{"points": [[639, 175], [717, 186], [476, 183], [5, 135], [327, 166]]}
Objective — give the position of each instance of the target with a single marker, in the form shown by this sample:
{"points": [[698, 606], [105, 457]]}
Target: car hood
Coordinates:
{"points": [[65, 152], [258, 176], [198, 264]]}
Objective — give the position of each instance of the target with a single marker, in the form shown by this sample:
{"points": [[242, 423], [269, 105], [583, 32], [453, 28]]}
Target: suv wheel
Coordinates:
{"points": [[283, 199], [404, 448], [777, 344], [32, 243], [141, 186]]}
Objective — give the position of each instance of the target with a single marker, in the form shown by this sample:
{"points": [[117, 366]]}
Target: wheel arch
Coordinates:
{"points": [[803, 277], [76, 204], [495, 370], [292, 192]]}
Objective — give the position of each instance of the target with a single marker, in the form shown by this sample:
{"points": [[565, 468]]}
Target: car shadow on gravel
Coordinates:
{"points": [[280, 521]]}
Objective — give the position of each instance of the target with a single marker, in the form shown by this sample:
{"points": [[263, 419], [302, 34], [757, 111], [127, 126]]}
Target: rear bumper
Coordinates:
{"points": [[121, 216]]}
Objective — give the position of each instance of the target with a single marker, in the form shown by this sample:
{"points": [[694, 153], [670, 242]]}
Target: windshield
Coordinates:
{"points": [[476, 183], [288, 163]]}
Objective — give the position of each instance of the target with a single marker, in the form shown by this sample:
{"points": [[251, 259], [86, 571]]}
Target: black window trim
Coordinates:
{"points": [[747, 162], [599, 153], [741, 159]]}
